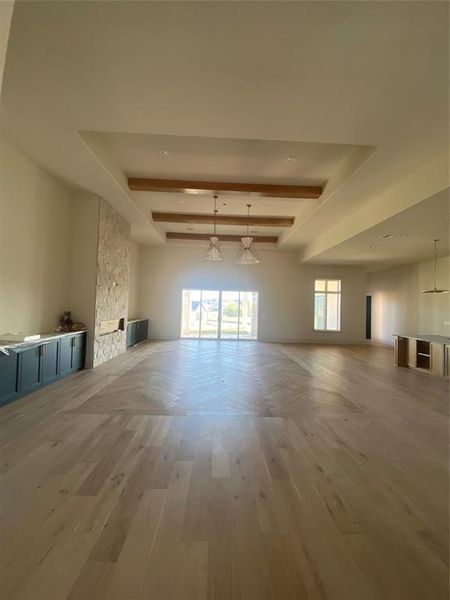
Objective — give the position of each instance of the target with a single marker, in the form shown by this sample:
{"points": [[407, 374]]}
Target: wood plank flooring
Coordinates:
{"points": [[211, 470]]}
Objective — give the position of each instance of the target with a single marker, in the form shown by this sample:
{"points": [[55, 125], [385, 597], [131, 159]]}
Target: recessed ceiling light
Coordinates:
{"points": [[390, 236], [291, 159], [164, 153]]}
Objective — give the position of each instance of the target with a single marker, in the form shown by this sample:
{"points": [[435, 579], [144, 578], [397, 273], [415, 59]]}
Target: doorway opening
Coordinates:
{"points": [[219, 314], [368, 317]]}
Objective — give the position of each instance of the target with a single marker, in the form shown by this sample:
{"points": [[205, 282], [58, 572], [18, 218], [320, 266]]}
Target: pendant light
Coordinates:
{"points": [[435, 289], [214, 254], [247, 254]]}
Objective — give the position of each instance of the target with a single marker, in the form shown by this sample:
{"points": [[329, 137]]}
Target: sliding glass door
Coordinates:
{"points": [[209, 326], [248, 315], [229, 316], [218, 314]]}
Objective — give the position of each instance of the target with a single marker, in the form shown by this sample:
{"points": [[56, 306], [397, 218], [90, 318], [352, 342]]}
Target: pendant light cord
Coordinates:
{"points": [[215, 213], [434, 262], [248, 217]]}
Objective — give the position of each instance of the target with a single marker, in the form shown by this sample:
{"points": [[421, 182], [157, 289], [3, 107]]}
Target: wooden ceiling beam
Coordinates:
{"points": [[264, 190], [260, 239], [208, 219]]}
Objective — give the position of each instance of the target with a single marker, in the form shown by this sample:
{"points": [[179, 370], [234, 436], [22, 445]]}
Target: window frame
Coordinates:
{"points": [[326, 293]]}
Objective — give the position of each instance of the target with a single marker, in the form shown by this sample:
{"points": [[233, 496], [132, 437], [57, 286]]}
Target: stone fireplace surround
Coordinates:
{"points": [[112, 284]]}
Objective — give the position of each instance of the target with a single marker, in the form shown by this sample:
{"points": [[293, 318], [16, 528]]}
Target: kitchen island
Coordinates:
{"points": [[428, 353]]}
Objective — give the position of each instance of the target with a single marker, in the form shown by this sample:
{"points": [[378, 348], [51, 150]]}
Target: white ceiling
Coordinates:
{"points": [[358, 89], [219, 159], [144, 155], [411, 234]]}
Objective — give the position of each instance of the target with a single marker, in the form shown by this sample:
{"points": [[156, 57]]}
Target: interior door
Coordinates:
{"points": [[368, 317]]}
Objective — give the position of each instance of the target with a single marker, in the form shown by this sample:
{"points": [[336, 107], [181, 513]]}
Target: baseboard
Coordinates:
{"points": [[333, 342]]}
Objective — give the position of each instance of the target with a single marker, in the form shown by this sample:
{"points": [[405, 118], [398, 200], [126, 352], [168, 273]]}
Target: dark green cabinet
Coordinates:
{"points": [[28, 368], [8, 377], [49, 362], [130, 334], [73, 350], [65, 361], [78, 352], [137, 331]]}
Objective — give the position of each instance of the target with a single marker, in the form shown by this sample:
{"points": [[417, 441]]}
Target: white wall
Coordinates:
{"points": [[133, 281], [285, 291], [398, 306], [35, 245]]}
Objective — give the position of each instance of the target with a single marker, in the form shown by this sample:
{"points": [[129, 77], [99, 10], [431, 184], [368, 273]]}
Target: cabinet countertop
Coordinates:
{"points": [[436, 339], [45, 337]]}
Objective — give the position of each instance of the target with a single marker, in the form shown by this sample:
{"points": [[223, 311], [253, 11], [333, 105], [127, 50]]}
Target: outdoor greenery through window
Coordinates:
{"points": [[219, 314], [327, 305]]}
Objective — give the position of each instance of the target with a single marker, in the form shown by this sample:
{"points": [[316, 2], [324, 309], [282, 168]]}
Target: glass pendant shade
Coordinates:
{"points": [[214, 254], [246, 254]]}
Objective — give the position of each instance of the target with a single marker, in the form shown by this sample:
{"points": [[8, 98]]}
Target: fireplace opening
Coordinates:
{"points": [[112, 326]]}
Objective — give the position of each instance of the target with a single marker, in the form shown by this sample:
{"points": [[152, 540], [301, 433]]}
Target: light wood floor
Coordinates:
{"points": [[224, 470]]}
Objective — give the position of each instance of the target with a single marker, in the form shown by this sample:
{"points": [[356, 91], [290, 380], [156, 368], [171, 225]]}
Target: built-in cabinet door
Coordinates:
{"points": [[141, 325], [130, 334], [49, 361], [78, 352], [136, 332], [66, 355], [401, 352], [8, 376], [438, 359], [29, 369]]}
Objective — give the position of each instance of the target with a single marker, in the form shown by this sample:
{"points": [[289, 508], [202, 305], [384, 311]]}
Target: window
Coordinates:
{"points": [[327, 305], [219, 314]]}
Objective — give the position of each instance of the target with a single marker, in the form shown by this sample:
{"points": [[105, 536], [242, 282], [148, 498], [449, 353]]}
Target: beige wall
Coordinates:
{"points": [[134, 281], [398, 306], [6, 13], [83, 273], [285, 291], [60, 250], [35, 245]]}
